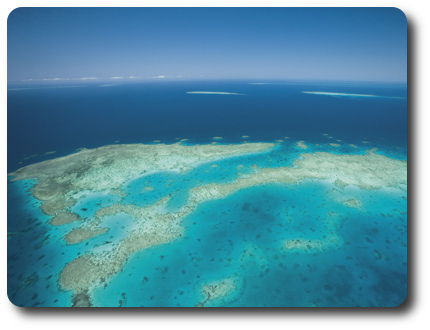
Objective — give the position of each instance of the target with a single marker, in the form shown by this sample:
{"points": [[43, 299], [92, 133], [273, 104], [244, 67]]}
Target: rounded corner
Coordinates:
{"points": [[12, 12], [403, 303], [402, 13], [12, 302]]}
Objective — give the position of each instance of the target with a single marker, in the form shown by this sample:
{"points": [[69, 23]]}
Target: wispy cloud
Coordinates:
{"points": [[61, 79], [98, 78], [54, 79]]}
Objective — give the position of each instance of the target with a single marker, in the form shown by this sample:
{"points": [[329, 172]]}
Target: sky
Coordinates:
{"points": [[353, 44]]}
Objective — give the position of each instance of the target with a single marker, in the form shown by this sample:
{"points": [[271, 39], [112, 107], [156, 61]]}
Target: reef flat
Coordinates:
{"points": [[61, 183], [369, 171], [109, 167], [156, 226], [63, 218], [153, 228]]}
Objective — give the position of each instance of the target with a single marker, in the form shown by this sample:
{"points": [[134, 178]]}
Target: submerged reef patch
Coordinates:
{"points": [[353, 202], [301, 145], [305, 245], [219, 290], [81, 234]]}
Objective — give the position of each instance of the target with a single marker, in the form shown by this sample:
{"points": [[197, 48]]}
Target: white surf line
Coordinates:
{"points": [[352, 95], [214, 93]]}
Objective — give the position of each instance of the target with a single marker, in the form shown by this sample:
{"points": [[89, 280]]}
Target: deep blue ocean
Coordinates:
{"points": [[370, 269], [64, 119]]}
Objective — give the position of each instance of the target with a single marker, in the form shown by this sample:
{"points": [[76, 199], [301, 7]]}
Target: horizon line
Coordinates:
{"points": [[128, 79]]}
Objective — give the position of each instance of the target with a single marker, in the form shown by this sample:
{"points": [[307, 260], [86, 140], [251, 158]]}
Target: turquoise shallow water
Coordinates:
{"points": [[240, 236]]}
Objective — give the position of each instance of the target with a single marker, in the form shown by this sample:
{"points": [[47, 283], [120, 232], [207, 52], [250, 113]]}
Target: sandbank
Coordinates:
{"points": [[213, 93]]}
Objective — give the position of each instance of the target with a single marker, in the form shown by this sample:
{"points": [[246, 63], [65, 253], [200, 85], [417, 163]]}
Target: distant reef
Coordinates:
{"points": [[214, 93]]}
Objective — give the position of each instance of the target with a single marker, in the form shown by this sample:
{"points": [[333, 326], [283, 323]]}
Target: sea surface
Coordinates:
{"points": [[239, 235]]}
